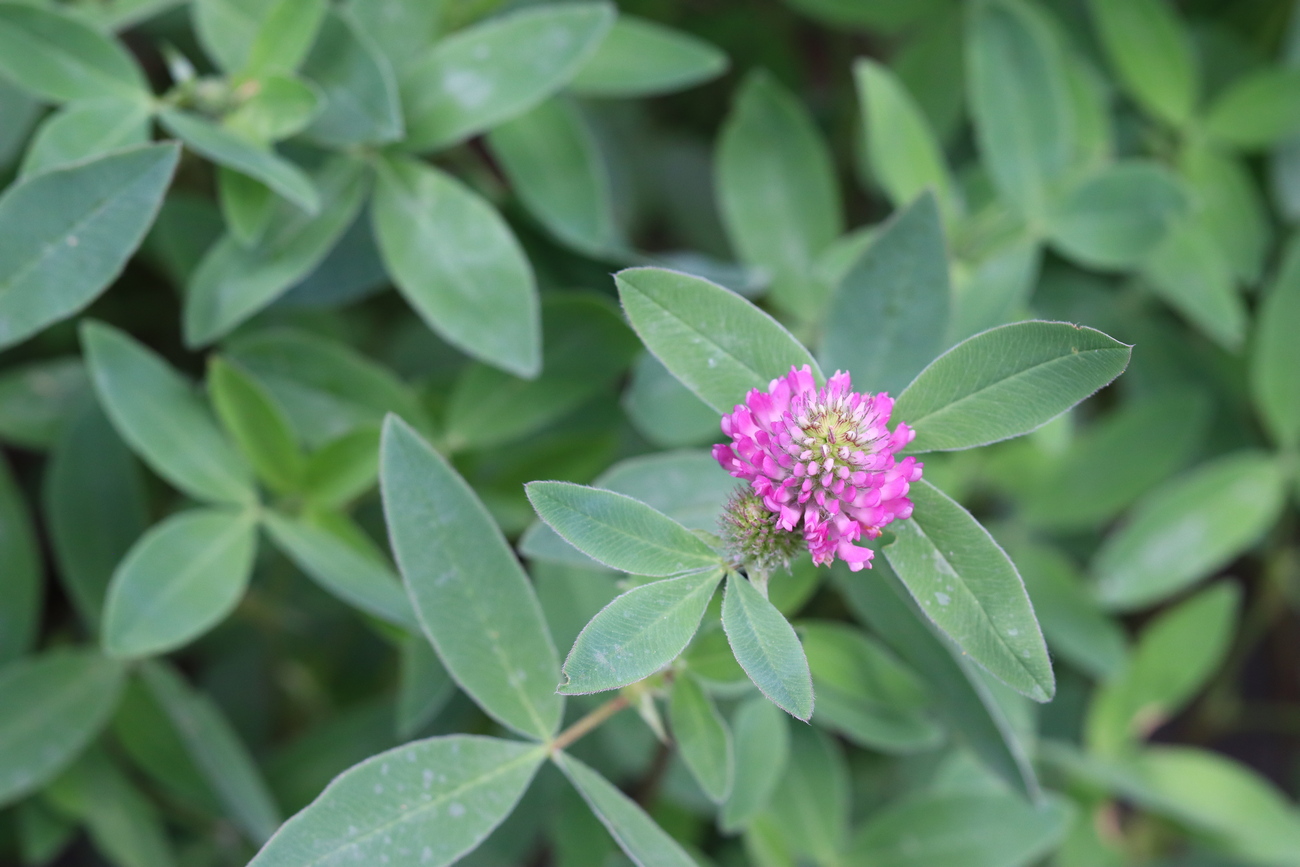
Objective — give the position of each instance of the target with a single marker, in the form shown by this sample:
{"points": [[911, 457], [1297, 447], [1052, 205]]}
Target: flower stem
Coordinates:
{"points": [[588, 722]]}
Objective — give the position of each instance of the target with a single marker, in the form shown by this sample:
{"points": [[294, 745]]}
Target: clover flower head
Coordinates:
{"points": [[752, 535], [822, 461]]}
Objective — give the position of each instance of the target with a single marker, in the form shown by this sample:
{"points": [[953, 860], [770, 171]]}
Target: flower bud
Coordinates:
{"points": [[754, 539]]}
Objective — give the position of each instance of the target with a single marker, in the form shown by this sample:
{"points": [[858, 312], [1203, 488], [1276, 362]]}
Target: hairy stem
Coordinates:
{"points": [[588, 722]]}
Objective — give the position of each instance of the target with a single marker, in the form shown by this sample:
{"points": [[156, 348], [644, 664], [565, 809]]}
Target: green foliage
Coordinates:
{"points": [[436, 441]]}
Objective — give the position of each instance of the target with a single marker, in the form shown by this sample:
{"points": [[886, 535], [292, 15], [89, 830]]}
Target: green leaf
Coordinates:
{"points": [[23, 587], [459, 265], [282, 106], [256, 424], [51, 706], [889, 314], [178, 581], [40, 398], [1227, 201], [227, 29], [553, 161], [638, 633], [641, 58], [159, 416], [94, 508], [123, 823], [363, 581], [985, 829], [776, 188], [715, 342], [247, 206], [905, 157], [233, 151], [1241, 811], [60, 58], [996, 289], [587, 346], [619, 531], [645, 843], [967, 585], [1174, 657], [865, 693], [663, 410], [1192, 274], [86, 129], [470, 594], [216, 750], [1188, 528], [1020, 101], [762, 746], [327, 388], [1115, 218], [767, 648], [427, 803], [687, 486], [1119, 458], [813, 812], [1257, 110], [399, 29], [1152, 52], [964, 697], [1275, 356], [1006, 382], [498, 69], [424, 686], [343, 469], [233, 281], [284, 36], [702, 738], [359, 90], [1072, 622], [65, 235]]}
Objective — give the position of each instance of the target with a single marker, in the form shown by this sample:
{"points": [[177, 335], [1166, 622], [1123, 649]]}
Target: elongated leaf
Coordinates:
{"points": [[965, 699], [965, 583], [470, 594], [257, 424], [1152, 52], [1020, 101], [424, 686], [762, 745], [94, 507], [58, 57], [1228, 202], [554, 162], [776, 189], [645, 843], [715, 342], [182, 578], [864, 692], [889, 315], [216, 750], [638, 633], [234, 281], [619, 531], [399, 29], [1006, 382], [358, 86], [85, 129], [22, 589], [458, 264], [1188, 528], [640, 58], [663, 410], [283, 37], [426, 803], [1192, 274], [159, 416], [1257, 110], [41, 398], [767, 648], [227, 29], [66, 235], [702, 737], [988, 829], [1175, 655], [51, 706], [905, 157], [1073, 623], [1276, 355], [229, 149], [1117, 216], [813, 812], [486, 74], [343, 570]]}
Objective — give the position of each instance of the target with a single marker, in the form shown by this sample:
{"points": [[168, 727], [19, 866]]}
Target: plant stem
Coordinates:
{"points": [[588, 722]]}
